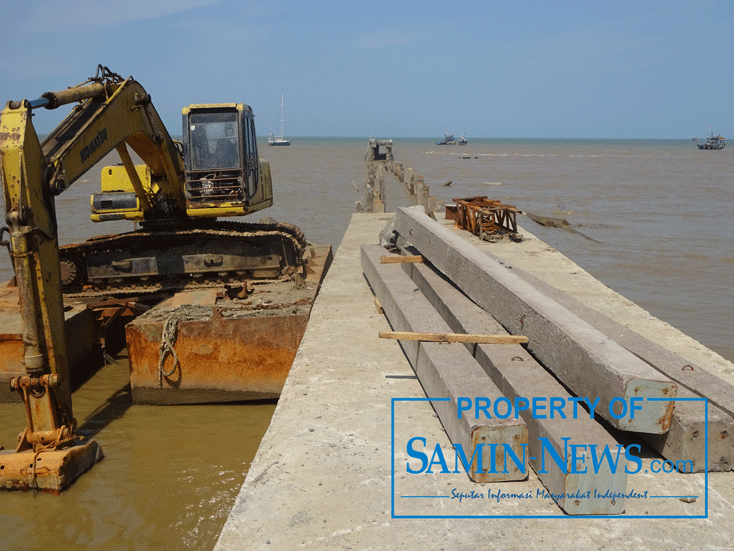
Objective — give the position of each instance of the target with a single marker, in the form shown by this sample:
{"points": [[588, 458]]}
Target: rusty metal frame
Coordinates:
{"points": [[484, 217]]}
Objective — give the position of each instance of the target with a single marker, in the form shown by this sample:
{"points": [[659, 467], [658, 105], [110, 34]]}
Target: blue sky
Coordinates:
{"points": [[586, 69]]}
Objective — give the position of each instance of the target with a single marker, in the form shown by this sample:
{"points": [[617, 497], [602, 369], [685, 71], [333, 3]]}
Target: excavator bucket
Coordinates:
{"points": [[47, 471]]}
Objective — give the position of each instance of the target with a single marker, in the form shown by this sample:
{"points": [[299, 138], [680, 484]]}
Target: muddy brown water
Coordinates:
{"points": [[659, 213]]}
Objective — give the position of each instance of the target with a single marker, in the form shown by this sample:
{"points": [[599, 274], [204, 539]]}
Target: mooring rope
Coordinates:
{"points": [[168, 339], [34, 480]]}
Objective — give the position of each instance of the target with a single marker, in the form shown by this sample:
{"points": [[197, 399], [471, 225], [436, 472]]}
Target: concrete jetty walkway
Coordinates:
{"points": [[323, 476]]}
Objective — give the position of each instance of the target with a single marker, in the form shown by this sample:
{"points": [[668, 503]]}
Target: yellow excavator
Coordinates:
{"points": [[176, 197]]}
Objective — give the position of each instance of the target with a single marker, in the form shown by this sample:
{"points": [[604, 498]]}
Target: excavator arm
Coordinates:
{"points": [[112, 114]]}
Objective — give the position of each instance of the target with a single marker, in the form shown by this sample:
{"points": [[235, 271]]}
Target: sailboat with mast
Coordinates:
{"points": [[280, 140]]}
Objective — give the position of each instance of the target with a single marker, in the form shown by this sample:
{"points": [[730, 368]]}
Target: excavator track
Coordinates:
{"points": [[145, 260]]}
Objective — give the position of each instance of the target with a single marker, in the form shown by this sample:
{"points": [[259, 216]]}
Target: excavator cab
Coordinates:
{"points": [[223, 175], [220, 152]]}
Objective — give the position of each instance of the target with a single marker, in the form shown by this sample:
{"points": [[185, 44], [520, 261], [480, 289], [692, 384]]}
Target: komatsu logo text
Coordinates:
{"points": [[92, 146]]}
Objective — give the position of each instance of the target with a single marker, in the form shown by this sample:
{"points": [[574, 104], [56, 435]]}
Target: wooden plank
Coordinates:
{"points": [[378, 306], [397, 259], [453, 337]]}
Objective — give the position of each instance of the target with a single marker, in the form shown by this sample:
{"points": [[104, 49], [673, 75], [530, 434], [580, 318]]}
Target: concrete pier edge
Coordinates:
{"points": [[322, 476]]}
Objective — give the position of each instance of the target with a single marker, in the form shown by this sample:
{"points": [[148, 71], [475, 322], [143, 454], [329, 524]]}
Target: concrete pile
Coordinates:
{"points": [[378, 163], [630, 387]]}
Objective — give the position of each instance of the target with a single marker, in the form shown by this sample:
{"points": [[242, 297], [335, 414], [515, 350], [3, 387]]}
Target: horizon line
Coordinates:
{"points": [[485, 138]]}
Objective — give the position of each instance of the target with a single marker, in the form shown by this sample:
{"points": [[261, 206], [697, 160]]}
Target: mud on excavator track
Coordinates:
{"points": [[176, 258]]}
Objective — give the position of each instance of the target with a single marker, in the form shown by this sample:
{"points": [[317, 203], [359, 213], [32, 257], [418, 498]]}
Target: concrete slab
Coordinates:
{"points": [[519, 375], [584, 359], [322, 476], [449, 372]]}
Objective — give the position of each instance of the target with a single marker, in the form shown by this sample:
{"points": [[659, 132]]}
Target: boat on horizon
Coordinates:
{"points": [[448, 139], [713, 142], [462, 140], [280, 140]]}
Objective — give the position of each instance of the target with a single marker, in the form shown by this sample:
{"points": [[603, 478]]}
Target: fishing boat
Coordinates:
{"points": [[712, 142], [280, 140], [462, 140], [448, 139]]}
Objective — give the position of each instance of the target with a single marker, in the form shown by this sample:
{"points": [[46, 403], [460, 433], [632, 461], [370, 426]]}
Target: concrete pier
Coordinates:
{"points": [[330, 472]]}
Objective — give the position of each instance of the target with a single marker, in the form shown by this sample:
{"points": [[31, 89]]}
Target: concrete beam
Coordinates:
{"points": [[685, 440], [684, 444], [585, 360], [447, 371], [517, 374]]}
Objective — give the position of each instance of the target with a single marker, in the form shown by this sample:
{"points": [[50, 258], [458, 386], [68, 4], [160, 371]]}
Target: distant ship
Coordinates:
{"points": [[462, 140], [713, 142], [280, 140], [448, 139]]}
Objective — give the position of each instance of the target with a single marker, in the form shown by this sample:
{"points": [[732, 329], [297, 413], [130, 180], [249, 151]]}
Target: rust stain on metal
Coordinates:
{"points": [[11, 354], [241, 355], [10, 136], [664, 421], [49, 471]]}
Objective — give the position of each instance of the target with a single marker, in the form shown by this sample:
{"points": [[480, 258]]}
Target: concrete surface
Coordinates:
{"points": [[322, 476]]}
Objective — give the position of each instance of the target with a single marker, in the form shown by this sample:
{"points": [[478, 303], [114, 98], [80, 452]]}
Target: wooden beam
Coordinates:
{"points": [[400, 259], [453, 337]]}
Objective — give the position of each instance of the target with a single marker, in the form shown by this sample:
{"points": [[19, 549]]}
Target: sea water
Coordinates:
{"points": [[658, 215]]}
